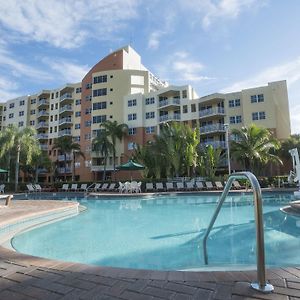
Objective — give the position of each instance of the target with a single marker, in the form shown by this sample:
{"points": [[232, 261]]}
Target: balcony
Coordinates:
{"points": [[42, 136], [64, 170], [43, 102], [169, 102], [42, 170], [170, 117], [65, 97], [215, 111], [66, 108], [95, 168], [212, 128], [41, 125], [215, 144], [44, 147], [42, 113], [62, 157], [65, 121], [64, 132]]}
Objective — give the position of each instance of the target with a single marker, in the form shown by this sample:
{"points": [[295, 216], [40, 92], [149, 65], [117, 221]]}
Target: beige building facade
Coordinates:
{"points": [[120, 88]]}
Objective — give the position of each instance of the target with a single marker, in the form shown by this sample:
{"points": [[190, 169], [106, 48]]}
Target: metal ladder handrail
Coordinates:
{"points": [[261, 284]]}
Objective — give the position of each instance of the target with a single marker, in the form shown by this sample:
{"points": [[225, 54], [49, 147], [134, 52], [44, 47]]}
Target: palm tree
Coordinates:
{"points": [[19, 140], [66, 146], [115, 131], [75, 154], [254, 147], [102, 145]]}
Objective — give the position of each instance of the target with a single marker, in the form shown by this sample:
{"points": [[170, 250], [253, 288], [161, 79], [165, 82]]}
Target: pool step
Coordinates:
{"points": [[293, 208]]}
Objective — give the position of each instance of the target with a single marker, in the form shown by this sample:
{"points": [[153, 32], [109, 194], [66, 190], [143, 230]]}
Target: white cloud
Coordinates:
{"points": [[65, 24], [212, 11], [7, 89], [295, 119]]}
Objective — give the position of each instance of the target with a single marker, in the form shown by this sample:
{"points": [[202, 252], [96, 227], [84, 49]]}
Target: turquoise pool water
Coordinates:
{"points": [[165, 233]]}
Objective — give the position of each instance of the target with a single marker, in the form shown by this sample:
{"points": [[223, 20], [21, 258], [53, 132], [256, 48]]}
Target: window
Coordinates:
{"points": [[11, 105], [184, 94], [4, 108], [87, 136], [51, 119], [56, 95], [237, 102], [131, 131], [55, 128], [100, 79], [11, 116], [185, 109], [21, 103], [88, 86], [131, 117], [254, 116], [132, 102], [56, 105], [55, 118], [88, 123], [32, 122], [88, 98], [21, 123], [51, 129], [52, 106], [131, 146], [235, 119], [231, 103], [193, 107], [21, 113], [52, 95], [78, 90], [253, 99], [77, 113], [77, 126], [257, 98], [76, 138], [99, 92], [149, 101], [262, 115], [77, 101], [32, 101], [150, 115], [88, 111], [99, 119], [99, 105], [32, 112], [150, 129]]}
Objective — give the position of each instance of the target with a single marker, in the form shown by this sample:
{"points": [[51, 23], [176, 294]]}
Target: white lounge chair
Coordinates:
{"points": [[169, 186], [83, 187], [74, 187], [236, 185], [149, 186], [104, 187], [37, 188], [159, 186], [65, 187], [2, 187], [30, 188], [189, 185], [180, 186], [128, 186], [219, 185], [121, 187], [112, 187], [199, 185], [136, 187], [209, 185]]}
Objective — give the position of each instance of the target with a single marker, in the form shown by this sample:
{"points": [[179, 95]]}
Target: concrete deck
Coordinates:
{"points": [[26, 277]]}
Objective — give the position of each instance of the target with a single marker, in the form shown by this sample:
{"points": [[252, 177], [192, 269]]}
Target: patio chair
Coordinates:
{"points": [[200, 186], [65, 187], [74, 187], [209, 185], [219, 185], [159, 186], [37, 187], [149, 186], [83, 187], [180, 186], [2, 187], [236, 185], [170, 186], [95, 187], [121, 187], [112, 187], [30, 188], [128, 186], [189, 185], [136, 187], [104, 187]]}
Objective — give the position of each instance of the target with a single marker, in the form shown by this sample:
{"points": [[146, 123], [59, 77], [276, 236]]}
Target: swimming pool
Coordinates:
{"points": [[165, 233]]}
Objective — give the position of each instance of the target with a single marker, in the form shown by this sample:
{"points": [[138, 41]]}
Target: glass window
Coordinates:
{"points": [[21, 103], [232, 120], [262, 115], [88, 111], [237, 102], [238, 119], [100, 79], [150, 129], [21, 123], [260, 98], [77, 113], [231, 103], [32, 122], [149, 100], [185, 109], [99, 105], [150, 115], [32, 112], [193, 107], [77, 101], [184, 94], [11, 105], [132, 102], [21, 113], [32, 101], [88, 123], [254, 116], [253, 98], [78, 90], [131, 117], [131, 131], [99, 92], [77, 126], [99, 119]]}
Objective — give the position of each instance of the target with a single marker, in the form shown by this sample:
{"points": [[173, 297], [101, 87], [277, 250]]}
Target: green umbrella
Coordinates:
{"points": [[3, 171], [131, 166]]}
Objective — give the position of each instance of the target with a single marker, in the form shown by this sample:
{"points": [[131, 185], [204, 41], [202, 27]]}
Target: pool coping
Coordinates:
{"points": [[184, 282]]}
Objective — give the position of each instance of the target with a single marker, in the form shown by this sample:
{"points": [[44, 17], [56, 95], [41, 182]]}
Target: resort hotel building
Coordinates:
{"points": [[120, 88]]}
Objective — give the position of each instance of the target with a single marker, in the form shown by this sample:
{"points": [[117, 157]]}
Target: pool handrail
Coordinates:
{"points": [[261, 284]]}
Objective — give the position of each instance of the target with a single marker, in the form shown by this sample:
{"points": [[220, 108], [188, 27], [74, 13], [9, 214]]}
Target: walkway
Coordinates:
{"points": [[25, 277]]}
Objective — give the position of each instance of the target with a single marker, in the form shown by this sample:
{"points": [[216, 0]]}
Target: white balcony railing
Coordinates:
{"points": [[211, 112], [43, 102], [169, 101], [43, 113], [170, 117], [65, 120], [63, 170], [215, 144], [64, 132], [62, 157], [65, 108], [42, 125], [212, 128], [42, 136], [43, 146], [66, 96]]}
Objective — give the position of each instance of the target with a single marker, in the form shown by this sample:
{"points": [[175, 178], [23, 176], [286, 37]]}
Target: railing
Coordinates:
{"points": [[43, 146], [170, 101], [169, 117], [42, 125], [42, 113], [66, 96], [43, 102], [212, 128], [261, 284], [64, 170], [62, 157], [212, 111], [64, 132], [65, 120], [215, 144], [42, 136], [65, 108]]}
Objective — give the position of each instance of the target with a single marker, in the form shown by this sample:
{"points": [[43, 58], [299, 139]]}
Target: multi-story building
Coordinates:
{"points": [[119, 88]]}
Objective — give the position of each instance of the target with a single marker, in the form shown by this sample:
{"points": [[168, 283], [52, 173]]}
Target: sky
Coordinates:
{"points": [[213, 45]]}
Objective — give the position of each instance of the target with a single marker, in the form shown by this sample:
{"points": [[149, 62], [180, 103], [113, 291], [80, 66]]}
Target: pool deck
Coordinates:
{"points": [[26, 277]]}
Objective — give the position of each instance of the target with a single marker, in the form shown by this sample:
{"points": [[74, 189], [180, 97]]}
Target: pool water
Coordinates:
{"points": [[165, 233]]}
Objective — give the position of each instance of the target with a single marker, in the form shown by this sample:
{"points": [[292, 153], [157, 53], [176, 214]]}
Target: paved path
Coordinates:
{"points": [[26, 277]]}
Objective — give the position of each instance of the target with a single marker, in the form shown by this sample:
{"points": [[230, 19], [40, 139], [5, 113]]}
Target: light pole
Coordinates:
{"points": [[226, 126]]}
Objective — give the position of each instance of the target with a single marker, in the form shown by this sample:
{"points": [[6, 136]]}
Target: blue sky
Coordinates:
{"points": [[214, 45]]}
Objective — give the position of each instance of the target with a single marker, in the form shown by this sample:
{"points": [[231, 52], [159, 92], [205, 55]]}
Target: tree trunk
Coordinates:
{"points": [[36, 175], [65, 157], [104, 169], [17, 167], [114, 162], [73, 169]]}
